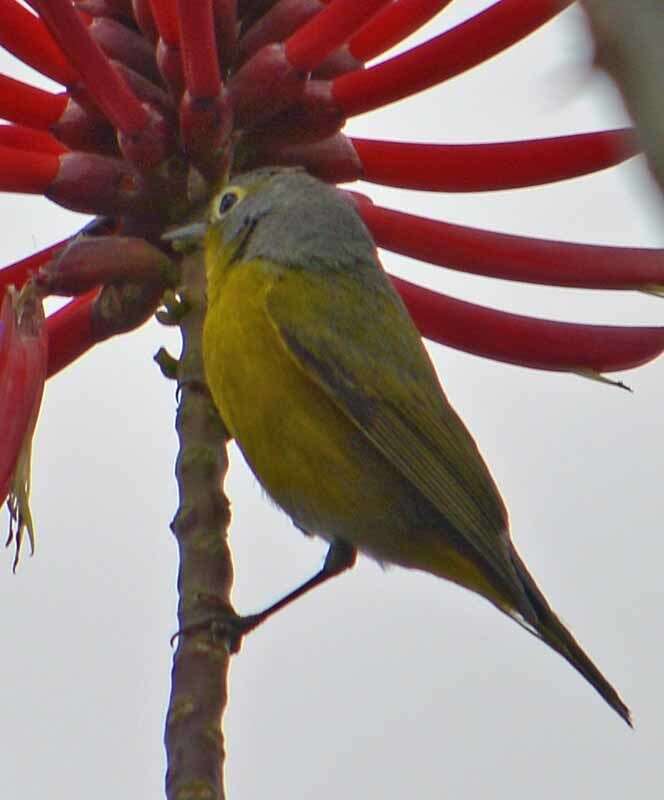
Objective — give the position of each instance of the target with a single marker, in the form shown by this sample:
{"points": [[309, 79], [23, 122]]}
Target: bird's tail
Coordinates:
{"points": [[551, 630]]}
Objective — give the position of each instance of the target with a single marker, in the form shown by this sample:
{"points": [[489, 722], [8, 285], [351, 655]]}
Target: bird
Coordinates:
{"points": [[322, 378]]}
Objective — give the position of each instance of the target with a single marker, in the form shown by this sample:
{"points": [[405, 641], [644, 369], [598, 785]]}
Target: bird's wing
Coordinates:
{"points": [[352, 335]]}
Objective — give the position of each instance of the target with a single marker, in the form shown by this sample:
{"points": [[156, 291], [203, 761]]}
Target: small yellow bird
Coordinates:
{"points": [[321, 377]]}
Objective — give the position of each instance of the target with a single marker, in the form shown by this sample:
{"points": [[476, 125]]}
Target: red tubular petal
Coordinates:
{"points": [[251, 10], [98, 185], [145, 19], [89, 261], [357, 199], [152, 94], [23, 356], [150, 145], [17, 274], [169, 57], [32, 332], [70, 333], [28, 105], [115, 9], [7, 331], [393, 24], [264, 86], [84, 322], [22, 171], [499, 165], [111, 187], [169, 61], [165, 15], [205, 128], [121, 308], [102, 80], [29, 139], [126, 46], [339, 63], [313, 118], [515, 258], [323, 34], [277, 24], [26, 36], [468, 44], [226, 28], [80, 129], [529, 342], [199, 48], [333, 159]]}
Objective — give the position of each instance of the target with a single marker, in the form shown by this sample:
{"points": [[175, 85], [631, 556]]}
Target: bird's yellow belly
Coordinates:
{"points": [[310, 458]]}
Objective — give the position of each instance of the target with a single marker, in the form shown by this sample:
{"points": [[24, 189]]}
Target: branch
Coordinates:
{"points": [[193, 737], [629, 46]]}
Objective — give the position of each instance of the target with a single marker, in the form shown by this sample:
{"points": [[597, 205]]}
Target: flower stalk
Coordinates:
{"points": [[193, 737]]}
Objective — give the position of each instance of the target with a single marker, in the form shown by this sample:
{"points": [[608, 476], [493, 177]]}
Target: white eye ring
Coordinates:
{"points": [[226, 202]]}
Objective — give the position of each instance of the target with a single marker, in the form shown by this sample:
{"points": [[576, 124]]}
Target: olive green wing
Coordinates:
{"points": [[351, 334]]}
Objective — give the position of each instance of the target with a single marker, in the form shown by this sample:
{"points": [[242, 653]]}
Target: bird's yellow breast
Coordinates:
{"points": [[289, 431], [312, 461]]}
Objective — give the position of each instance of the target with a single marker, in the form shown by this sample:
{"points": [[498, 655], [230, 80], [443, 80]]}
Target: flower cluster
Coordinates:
{"points": [[163, 98]]}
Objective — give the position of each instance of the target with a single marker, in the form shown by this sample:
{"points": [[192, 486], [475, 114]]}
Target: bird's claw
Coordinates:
{"points": [[226, 626]]}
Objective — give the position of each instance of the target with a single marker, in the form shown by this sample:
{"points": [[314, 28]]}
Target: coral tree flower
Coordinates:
{"points": [[23, 356], [161, 98]]}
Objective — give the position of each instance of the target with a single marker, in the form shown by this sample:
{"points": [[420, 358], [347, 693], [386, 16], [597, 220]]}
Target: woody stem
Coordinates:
{"points": [[193, 736]]}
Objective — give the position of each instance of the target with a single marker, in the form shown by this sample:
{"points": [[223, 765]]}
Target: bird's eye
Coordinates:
{"points": [[223, 202], [227, 201]]}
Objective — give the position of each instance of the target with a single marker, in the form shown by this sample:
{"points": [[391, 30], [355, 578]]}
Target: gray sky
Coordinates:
{"points": [[380, 684]]}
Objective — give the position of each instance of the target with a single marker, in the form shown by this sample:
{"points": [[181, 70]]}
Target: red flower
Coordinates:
{"points": [[156, 89], [23, 357]]}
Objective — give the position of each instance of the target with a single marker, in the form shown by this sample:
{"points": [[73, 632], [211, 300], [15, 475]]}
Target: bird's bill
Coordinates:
{"points": [[184, 237]]}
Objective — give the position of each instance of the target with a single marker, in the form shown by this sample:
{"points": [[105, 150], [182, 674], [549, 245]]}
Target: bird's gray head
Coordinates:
{"points": [[286, 216]]}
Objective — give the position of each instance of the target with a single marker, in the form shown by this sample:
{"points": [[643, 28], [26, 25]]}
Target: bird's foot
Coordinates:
{"points": [[222, 625]]}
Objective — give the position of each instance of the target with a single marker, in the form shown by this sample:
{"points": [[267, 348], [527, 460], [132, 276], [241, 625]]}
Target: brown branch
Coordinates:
{"points": [[629, 45], [193, 737]]}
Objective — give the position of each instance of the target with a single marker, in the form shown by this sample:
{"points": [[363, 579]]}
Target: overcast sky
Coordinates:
{"points": [[382, 684]]}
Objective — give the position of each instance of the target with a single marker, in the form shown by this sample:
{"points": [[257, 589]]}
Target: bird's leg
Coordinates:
{"points": [[340, 557]]}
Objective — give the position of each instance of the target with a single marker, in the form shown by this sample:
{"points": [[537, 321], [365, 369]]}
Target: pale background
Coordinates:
{"points": [[378, 685]]}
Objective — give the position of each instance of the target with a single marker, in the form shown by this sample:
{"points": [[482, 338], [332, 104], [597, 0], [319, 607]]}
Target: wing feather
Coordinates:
{"points": [[369, 359]]}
